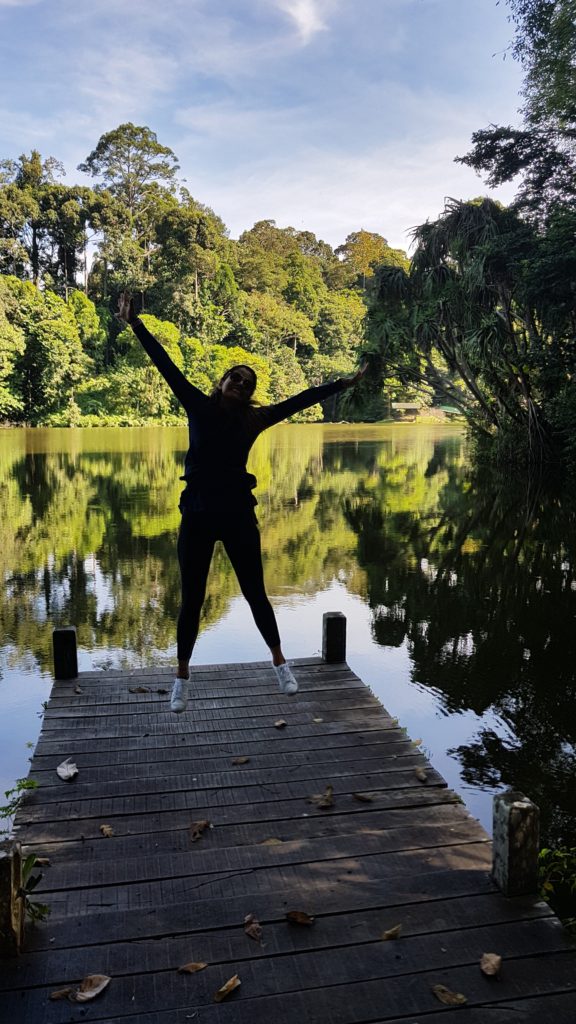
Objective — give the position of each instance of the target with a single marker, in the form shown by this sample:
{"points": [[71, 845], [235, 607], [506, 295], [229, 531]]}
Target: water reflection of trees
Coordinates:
{"points": [[89, 535], [480, 582]]}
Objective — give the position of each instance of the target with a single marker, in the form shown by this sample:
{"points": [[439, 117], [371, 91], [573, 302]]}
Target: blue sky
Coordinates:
{"points": [[329, 115]]}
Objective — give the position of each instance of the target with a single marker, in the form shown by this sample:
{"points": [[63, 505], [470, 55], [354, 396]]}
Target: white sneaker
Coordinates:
{"points": [[286, 680], [179, 698]]}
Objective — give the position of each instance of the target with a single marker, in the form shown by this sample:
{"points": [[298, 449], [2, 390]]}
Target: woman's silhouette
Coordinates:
{"points": [[217, 502]]}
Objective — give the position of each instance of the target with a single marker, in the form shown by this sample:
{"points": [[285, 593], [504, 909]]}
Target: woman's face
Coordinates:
{"points": [[238, 384]]}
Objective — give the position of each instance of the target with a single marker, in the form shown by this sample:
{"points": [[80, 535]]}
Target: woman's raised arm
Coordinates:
{"points": [[186, 393], [272, 414]]}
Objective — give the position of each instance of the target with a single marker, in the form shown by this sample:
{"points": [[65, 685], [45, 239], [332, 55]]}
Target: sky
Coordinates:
{"points": [[327, 115]]}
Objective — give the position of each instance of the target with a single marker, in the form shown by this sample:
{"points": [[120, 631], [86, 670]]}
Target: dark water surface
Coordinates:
{"points": [[460, 593]]}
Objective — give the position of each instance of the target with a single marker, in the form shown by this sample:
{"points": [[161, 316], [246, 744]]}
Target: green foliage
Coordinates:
{"points": [[482, 321], [92, 333], [557, 877], [16, 797], [35, 911], [363, 251], [52, 361]]}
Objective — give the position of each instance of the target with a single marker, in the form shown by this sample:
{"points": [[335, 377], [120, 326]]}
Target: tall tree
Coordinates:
{"points": [[52, 362], [363, 251], [543, 149], [23, 183], [482, 320], [139, 174], [131, 163]]}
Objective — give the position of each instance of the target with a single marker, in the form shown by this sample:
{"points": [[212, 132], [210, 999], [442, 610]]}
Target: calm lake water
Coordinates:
{"points": [[460, 593]]}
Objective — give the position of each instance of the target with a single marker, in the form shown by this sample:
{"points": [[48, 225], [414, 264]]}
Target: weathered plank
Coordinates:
{"points": [[53, 790], [203, 857], [153, 749], [227, 941], [347, 983], [188, 886], [94, 846], [183, 731], [172, 760], [180, 795], [398, 801]]}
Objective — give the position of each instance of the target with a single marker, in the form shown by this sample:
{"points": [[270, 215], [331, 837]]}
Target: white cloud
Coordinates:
{"points": [[18, 3], [307, 16], [226, 120], [389, 190], [123, 82]]}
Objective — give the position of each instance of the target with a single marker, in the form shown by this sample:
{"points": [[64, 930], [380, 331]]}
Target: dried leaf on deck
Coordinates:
{"points": [[67, 770], [317, 719], [42, 862], [271, 842], [232, 983], [490, 964], [78, 689], [299, 917], [196, 830], [138, 689], [240, 760], [420, 774], [392, 933], [326, 801], [107, 831], [416, 743], [91, 986], [61, 993], [364, 798], [252, 927], [280, 724], [447, 997], [191, 968]]}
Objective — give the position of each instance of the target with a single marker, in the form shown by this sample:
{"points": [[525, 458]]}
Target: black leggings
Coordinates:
{"points": [[240, 536]]}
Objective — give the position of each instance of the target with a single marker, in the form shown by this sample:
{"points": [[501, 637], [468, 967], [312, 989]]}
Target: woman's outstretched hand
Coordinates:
{"points": [[351, 381], [126, 308]]}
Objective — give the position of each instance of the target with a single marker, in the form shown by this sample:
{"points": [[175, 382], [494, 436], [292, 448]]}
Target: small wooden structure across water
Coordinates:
{"points": [[396, 847]]}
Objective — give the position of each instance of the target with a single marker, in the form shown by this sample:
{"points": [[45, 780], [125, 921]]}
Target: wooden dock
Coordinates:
{"points": [[164, 889]]}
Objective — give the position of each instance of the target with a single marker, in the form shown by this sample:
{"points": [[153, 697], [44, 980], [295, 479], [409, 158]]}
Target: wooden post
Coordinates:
{"points": [[65, 653], [11, 903], [334, 637], [515, 842]]}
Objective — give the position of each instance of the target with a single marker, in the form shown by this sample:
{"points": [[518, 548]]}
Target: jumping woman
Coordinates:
{"points": [[217, 502]]}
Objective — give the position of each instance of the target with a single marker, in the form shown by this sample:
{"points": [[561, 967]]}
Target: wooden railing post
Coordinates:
{"points": [[515, 844], [65, 653], [334, 637], [11, 902]]}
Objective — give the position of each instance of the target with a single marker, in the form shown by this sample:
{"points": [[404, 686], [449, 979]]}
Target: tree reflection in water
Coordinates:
{"points": [[482, 589], [474, 575]]}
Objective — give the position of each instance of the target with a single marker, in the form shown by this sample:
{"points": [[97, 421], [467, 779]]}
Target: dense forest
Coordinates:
{"points": [[277, 298], [481, 318]]}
